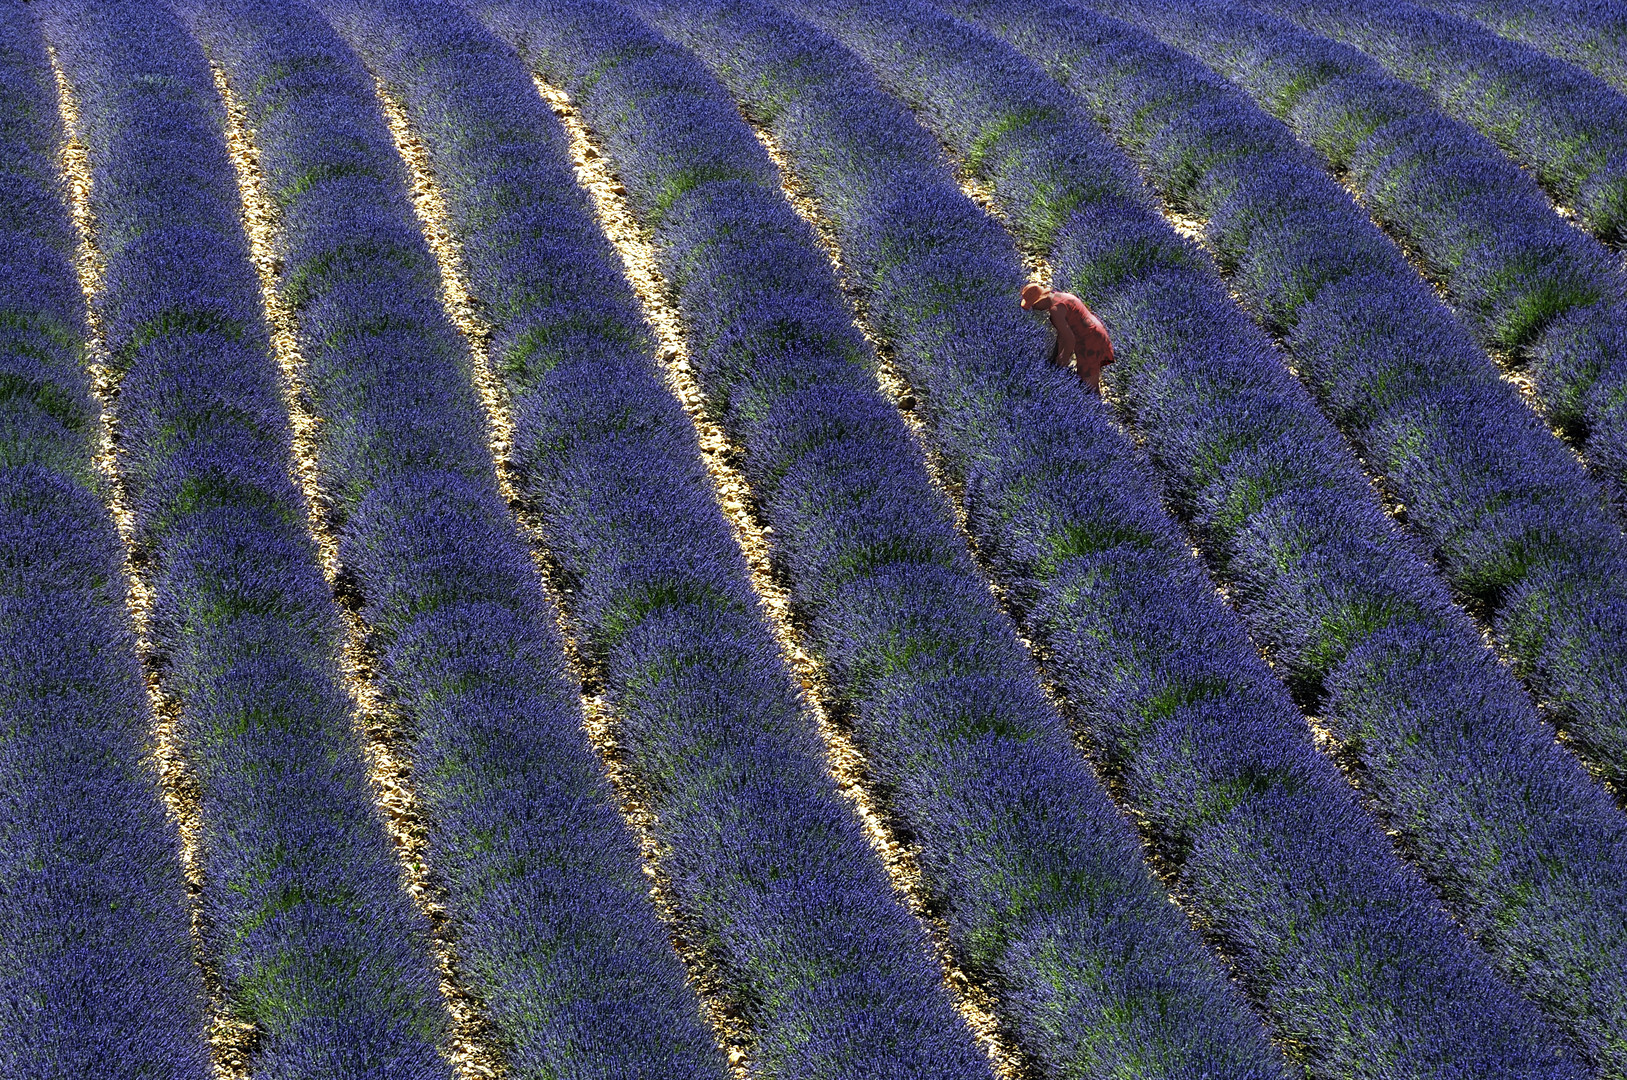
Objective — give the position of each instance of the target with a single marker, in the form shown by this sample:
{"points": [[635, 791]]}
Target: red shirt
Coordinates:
{"points": [[1078, 330]]}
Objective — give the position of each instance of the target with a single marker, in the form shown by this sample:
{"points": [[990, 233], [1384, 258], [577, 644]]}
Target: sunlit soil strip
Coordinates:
{"points": [[1006, 1057], [389, 765], [600, 722], [843, 756], [1040, 272], [230, 1041], [972, 998]]}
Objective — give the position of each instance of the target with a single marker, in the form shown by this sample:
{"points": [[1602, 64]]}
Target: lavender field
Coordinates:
{"points": [[536, 540]]}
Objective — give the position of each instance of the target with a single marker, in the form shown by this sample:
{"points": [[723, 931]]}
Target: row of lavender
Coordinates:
{"points": [[1526, 281], [1462, 202], [554, 930], [399, 469], [1040, 883], [1512, 519], [1551, 298], [1588, 34], [1567, 126], [95, 966], [1450, 747], [1478, 222], [831, 975], [315, 942], [334, 298], [1166, 681], [1473, 213], [282, 65]]}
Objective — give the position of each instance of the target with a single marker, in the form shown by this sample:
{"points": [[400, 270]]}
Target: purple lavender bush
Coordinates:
{"points": [[1068, 519], [96, 970], [1566, 126], [1249, 462], [1035, 874], [825, 474], [1542, 563], [831, 973], [1528, 282], [316, 942], [976, 764], [554, 928], [1586, 33]]}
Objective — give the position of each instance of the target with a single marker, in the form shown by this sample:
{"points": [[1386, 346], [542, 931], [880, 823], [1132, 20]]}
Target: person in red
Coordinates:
{"points": [[1080, 335]]}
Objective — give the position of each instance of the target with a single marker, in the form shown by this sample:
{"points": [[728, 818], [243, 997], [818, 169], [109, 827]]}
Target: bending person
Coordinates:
{"points": [[1080, 335]]}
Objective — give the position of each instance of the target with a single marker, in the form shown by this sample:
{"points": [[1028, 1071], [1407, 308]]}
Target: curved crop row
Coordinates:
{"points": [[1512, 520], [317, 943], [1203, 738], [554, 926], [833, 973], [1565, 125], [1447, 742], [96, 972], [1591, 35], [1497, 498], [1041, 884], [1525, 280]]}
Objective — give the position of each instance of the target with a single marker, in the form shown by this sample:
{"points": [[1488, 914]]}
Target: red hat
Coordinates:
{"points": [[1033, 294]]}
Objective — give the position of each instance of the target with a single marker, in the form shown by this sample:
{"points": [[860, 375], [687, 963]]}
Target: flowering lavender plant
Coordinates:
{"points": [[831, 974], [1586, 33], [1565, 125], [1035, 873], [1292, 527], [554, 928], [96, 972], [315, 941], [1511, 525]]}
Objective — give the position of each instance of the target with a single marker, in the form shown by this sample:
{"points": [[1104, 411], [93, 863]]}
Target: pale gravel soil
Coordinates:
{"points": [[600, 722], [230, 1040], [972, 997], [385, 749], [1009, 1062]]}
